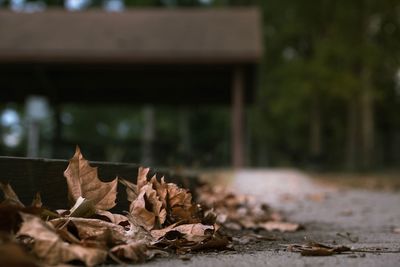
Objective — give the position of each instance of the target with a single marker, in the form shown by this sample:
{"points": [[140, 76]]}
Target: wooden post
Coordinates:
{"points": [[237, 118]]}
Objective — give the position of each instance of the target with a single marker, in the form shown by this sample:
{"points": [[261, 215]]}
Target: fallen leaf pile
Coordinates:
{"points": [[236, 211], [162, 218]]}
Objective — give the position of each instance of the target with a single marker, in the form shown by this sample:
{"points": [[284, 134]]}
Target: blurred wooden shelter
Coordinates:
{"points": [[157, 56]]}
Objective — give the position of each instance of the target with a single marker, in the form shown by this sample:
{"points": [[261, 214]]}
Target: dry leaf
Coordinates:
{"points": [[317, 251], [312, 248], [280, 226], [83, 181], [10, 197], [49, 247]]}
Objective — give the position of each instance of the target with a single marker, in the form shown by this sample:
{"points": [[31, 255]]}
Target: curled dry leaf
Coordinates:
{"points": [[148, 208], [83, 181], [49, 247]]}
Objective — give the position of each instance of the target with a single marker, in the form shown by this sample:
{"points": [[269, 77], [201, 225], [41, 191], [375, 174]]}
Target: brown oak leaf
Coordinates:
{"points": [[83, 181], [49, 246]]}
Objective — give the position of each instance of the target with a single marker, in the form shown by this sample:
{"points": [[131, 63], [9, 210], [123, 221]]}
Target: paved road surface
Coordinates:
{"points": [[368, 216]]}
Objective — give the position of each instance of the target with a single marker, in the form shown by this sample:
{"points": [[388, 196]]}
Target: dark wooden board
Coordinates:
{"points": [[28, 176]]}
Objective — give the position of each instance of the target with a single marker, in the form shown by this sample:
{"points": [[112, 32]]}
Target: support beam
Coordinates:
{"points": [[237, 118]]}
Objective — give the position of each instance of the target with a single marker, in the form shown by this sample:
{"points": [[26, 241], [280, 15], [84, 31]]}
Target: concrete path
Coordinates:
{"points": [[369, 217]]}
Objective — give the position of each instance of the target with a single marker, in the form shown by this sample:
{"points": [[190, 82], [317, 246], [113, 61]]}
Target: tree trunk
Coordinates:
{"points": [[315, 129], [367, 120], [351, 139]]}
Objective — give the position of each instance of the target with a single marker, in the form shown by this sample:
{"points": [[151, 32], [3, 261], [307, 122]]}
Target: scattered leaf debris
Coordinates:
{"points": [[312, 248], [238, 212]]}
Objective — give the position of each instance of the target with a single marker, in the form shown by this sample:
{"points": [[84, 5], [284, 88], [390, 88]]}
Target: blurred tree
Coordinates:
{"points": [[321, 55]]}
